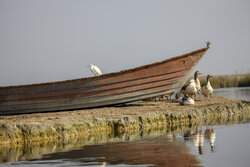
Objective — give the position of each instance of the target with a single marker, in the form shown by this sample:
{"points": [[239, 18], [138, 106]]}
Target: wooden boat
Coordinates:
{"points": [[114, 88]]}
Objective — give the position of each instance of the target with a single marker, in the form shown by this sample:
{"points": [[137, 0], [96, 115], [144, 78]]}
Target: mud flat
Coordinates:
{"points": [[135, 117]]}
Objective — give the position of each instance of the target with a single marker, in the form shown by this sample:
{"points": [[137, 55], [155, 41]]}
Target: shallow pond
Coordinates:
{"points": [[221, 144]]}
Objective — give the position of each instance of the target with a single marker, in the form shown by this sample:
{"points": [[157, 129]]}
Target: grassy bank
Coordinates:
{"points": [[225, 81]]}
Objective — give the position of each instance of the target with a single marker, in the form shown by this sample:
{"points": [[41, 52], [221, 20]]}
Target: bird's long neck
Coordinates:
{"points": [[208, 81], [195, 76]]}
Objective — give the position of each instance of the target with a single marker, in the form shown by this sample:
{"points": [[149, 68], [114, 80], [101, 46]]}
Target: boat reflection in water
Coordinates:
{"points": [[160, 148], [197, 136], [147, 152], [175, 147]]}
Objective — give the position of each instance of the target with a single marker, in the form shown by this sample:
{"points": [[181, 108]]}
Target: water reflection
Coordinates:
{"points": [[101, 164], [197, 136], [147, 148], [210, 136], [198, 140], [147, 151], [161, 147]]}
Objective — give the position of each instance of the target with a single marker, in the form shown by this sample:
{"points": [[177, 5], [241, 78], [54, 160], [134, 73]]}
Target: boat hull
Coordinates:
{"points": [[115, 88]]}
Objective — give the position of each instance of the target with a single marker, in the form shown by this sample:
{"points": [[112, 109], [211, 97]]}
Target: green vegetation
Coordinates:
{"points": [[224, 81]]}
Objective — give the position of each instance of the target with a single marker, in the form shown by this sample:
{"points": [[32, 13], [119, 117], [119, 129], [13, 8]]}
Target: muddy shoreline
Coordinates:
{"points": [[40, 127]]}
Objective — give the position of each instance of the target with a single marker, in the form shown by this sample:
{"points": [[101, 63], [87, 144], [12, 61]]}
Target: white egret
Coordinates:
{"points": [[95, 70]]}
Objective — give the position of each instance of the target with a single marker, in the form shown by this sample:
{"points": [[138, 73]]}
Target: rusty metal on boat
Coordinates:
{"points": [[114, 88]]}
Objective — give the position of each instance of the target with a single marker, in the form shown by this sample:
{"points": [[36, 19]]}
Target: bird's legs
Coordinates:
{"points": [[168, 96], [161, 98], [193, 97]]}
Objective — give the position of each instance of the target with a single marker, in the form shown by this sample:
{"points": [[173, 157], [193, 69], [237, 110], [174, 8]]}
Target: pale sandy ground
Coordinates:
{"points": [[138, 108]]}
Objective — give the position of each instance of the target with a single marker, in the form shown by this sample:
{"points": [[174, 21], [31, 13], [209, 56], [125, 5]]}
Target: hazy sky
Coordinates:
{"points": [[51, 40]]}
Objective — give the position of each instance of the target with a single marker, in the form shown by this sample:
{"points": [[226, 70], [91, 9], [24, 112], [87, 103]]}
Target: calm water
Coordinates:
{"points": [[235, 93], [222, 144]]}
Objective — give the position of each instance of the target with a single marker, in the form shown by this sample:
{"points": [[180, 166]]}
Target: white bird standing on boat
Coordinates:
{"points": [[95, 70], [197, 82], [207, 90], [186, 100]]}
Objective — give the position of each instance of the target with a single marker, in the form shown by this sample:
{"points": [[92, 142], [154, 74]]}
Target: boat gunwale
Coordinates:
{"points": [[110, 74]]}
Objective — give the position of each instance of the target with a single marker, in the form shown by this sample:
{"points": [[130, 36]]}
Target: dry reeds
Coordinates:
{"points": [[224, 81]]}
